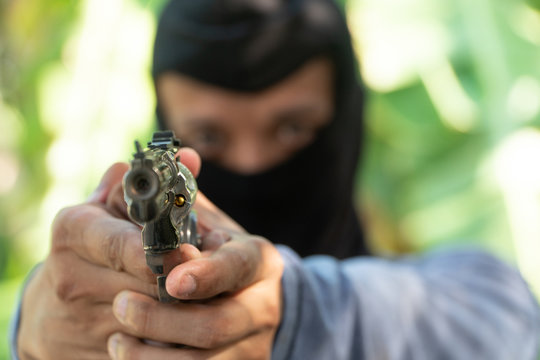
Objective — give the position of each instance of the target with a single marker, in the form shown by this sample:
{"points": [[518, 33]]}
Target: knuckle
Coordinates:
{"points": [[242, 261], [261, 245], [64, 277], [65, 287], [215, 333], [272, 313], [270, 256], [60, 227], [64, 290], [66, 221], [114, 246]]}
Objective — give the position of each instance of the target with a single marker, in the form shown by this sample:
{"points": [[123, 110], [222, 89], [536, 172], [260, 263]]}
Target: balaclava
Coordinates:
{"points": [[248, 45]]}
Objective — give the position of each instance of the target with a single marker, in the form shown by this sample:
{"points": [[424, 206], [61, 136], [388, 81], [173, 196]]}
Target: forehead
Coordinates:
{"points": [[181, 96]]}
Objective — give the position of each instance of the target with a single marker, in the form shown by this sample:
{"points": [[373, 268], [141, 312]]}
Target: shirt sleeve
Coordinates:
{"points": [[462, 304], [13, 330]]}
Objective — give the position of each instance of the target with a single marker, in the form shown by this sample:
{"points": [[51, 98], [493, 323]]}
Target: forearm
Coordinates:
{"points": [[452, 305]]}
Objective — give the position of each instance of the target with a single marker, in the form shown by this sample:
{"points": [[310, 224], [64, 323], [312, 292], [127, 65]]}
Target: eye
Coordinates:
{"points": [[208, 142], [294, 132], [208, 137]]}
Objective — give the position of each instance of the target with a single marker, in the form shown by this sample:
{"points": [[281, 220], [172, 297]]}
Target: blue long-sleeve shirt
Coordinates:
{"points": [[450, 305]]}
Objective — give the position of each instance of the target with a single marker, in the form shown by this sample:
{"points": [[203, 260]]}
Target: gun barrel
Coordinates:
{"points": [[142, 184]]}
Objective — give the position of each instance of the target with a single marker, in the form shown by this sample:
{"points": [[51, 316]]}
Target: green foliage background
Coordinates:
{"points": [[453, 118], [452, 144]]}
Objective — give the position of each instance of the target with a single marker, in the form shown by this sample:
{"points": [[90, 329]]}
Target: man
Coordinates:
{"points": [[295, 92], [455, 305], [267, 93]]}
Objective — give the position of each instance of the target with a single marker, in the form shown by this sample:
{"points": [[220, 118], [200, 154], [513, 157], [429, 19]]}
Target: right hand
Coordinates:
{"points": [[233, 288], [95, 253]]}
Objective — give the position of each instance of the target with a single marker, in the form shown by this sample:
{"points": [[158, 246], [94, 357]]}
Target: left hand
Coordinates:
{"points": [[237, 282]]}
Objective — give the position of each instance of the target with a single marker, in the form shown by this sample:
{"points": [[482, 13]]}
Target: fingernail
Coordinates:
{"points": [[187, 285], [113, 346], [120, 306]]}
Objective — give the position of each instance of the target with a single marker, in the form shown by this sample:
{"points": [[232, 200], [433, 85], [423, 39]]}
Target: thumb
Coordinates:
{"points": [[112, 177], [210, 217], [191, 159]]}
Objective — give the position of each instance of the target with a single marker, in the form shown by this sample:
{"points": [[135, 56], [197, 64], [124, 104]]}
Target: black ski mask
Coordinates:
{"points": [[248, 45]]}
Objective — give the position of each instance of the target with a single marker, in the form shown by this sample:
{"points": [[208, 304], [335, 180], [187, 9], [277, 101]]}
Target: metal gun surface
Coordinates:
{"points": [[160, 193]]}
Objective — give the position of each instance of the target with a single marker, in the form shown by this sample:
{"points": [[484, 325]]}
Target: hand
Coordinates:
{"points": [[95, 253], [238, 276]]}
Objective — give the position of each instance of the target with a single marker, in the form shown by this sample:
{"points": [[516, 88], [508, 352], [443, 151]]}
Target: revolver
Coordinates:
{"points": [[160, 192]]}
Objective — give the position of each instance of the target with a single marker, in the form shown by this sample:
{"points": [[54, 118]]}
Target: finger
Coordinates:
{"points": [[94, 235], [125, 347], [210, 217], [122, 347], [235, 265], [188, 252], [115, 202], [191, 159], [214, 239], [208, 325], [48, 324], [84, 328], [76, 279], [257, 346], [111, 177]]}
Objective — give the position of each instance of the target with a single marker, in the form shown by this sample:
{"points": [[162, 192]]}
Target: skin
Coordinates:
{"points": [[249, 132], [94, 296]]}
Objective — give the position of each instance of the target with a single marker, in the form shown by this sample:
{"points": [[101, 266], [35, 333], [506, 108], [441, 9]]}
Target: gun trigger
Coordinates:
{"points": [[163, 295]]}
